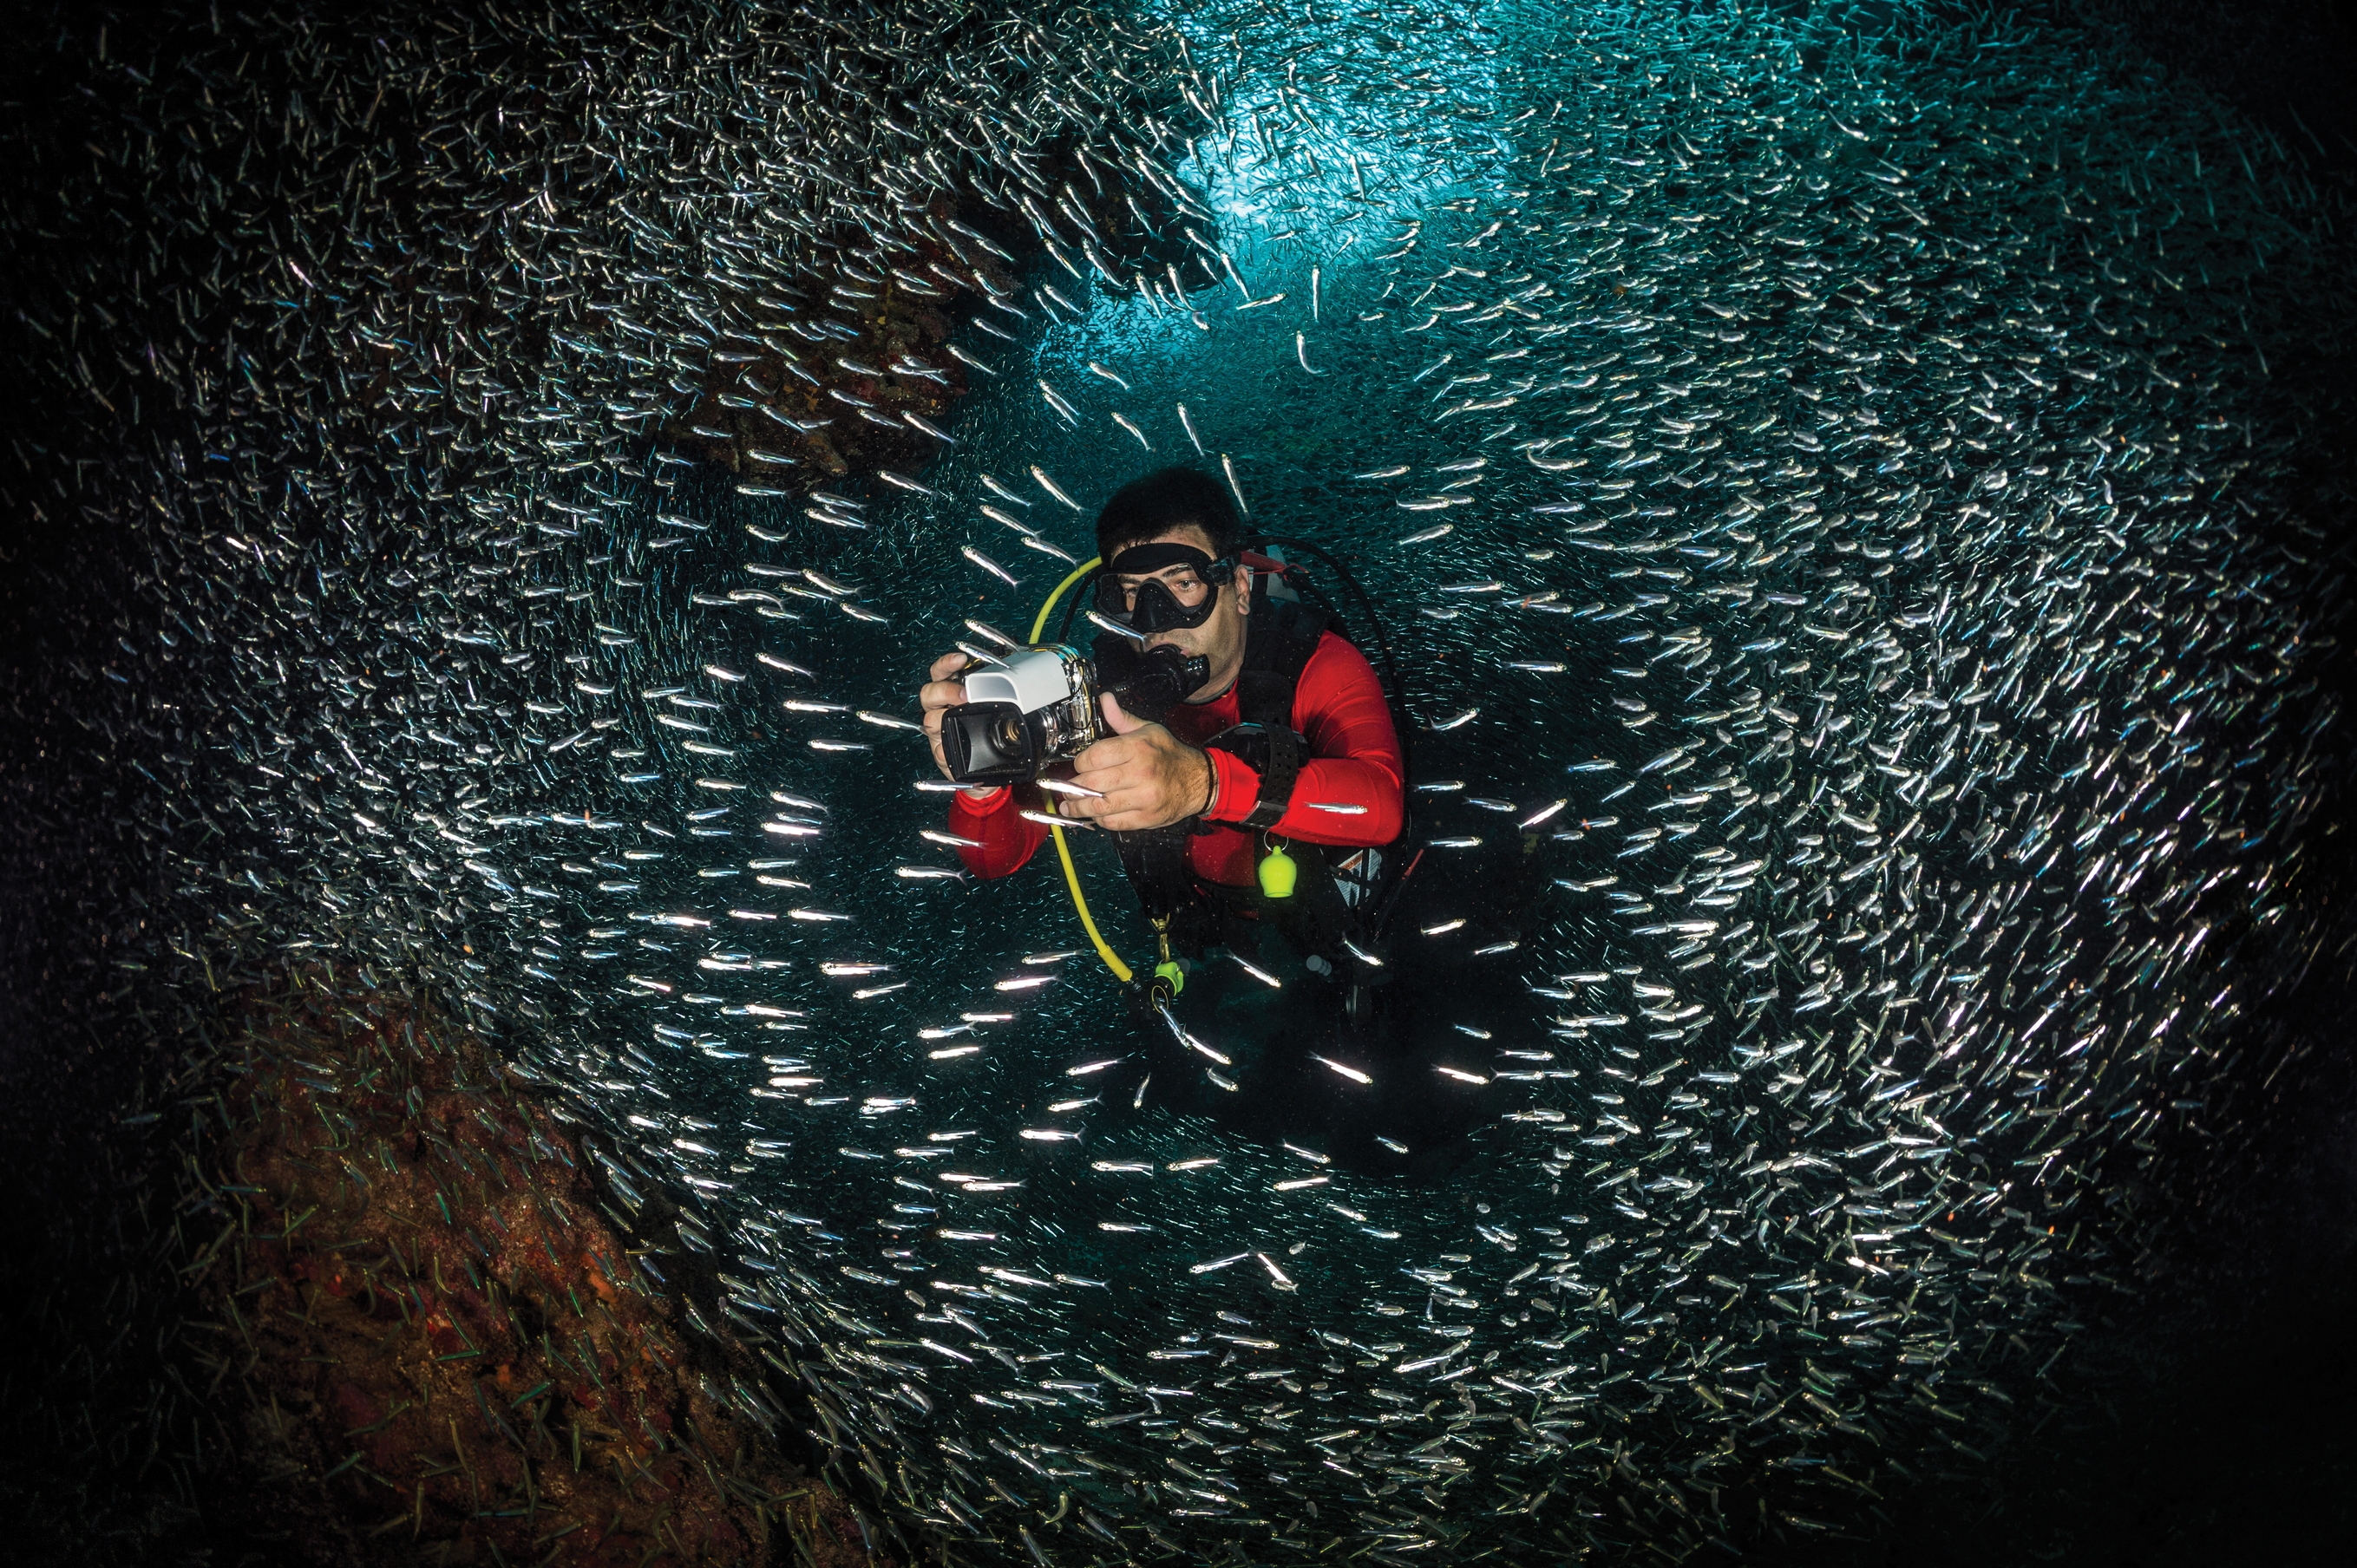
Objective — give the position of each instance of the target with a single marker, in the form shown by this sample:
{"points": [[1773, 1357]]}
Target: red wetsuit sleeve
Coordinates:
{"points": [[1339, 708], [996, 823]]}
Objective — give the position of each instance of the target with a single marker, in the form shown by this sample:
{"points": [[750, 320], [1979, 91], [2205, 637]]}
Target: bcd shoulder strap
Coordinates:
{"points": [[1279, 640]]}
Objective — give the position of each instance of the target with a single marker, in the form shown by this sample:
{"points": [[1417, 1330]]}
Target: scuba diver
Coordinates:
{"points": [[1255, 792]]}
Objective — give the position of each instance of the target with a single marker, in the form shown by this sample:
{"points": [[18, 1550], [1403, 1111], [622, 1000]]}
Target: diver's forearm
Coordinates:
{"points": [[1369, 793]]}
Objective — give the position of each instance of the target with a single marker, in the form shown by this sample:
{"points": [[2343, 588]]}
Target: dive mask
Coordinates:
{"points": [[1158, 609]]}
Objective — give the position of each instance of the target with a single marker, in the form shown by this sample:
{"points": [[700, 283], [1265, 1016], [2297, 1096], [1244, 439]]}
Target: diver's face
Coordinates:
{"points": [[1221, 639]]}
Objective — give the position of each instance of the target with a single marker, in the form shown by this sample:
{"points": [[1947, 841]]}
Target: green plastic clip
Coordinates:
{"points": [[1278, 873]]}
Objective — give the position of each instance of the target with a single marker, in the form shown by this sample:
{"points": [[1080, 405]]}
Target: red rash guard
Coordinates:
{"points": [[1355, 759]]}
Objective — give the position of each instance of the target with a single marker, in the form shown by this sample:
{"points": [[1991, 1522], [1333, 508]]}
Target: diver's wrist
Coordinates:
{"points": [[1211, 802]]}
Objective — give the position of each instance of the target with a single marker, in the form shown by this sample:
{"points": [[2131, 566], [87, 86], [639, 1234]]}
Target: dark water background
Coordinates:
{"points": [[2211, 1422]]}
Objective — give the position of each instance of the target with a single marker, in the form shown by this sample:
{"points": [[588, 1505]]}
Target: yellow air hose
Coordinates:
{"points": [[1063, 851]]}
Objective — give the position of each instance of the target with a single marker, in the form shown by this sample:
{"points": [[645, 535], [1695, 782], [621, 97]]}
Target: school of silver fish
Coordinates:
{"points": [[1854, 443]]}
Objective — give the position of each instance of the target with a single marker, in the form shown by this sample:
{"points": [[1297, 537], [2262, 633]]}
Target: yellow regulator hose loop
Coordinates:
{"points": [[1064, 851]]}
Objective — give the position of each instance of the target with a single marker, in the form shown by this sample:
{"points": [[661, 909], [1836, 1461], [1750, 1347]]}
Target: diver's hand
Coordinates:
{"points": [[939, 693], [1147, 777]]}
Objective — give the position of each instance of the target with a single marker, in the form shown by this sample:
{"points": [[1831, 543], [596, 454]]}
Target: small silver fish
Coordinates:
{"points": [[1002, 492], [1227, 466], [1033, 542], [987, 565], [1050, 485], [1056, 402], [1255, 970]]}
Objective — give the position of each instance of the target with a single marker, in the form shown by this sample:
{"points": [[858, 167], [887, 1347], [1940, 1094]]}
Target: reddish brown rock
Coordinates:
{"points": [[444, 1351]]}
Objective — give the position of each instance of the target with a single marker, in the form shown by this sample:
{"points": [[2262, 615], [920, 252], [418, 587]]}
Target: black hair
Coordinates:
{"points": [[1162, 500]]}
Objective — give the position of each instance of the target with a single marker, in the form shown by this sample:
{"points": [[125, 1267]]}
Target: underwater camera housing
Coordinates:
{"points": [[1039, 706]]}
